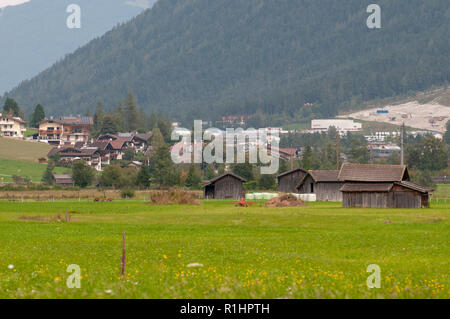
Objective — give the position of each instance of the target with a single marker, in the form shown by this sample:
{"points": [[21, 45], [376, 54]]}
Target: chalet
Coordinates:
{"points": [[288, 181], [380, 186], [122, 141], [66, 129], [323, 183], [91, 155], [63, 180], [226, 186], [12, 126]]}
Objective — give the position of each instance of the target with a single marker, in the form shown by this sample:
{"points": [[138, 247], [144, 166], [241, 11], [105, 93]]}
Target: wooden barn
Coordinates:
{"points": [[323, 183], [380, 186], [63, 180], [227, 186], [288, 181]]}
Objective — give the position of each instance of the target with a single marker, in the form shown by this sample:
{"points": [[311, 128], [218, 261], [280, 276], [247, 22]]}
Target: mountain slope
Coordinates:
{"points": [[203, 59], [34, 35]]}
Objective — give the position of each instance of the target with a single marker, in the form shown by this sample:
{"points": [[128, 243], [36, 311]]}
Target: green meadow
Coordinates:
{"points": [[34, 171], [318, 251]]}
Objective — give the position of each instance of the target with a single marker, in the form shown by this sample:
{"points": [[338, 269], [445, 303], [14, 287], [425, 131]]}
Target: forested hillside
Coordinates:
{"points": [[203, 59]]}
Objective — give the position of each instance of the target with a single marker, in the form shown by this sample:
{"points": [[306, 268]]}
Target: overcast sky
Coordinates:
{"points": [[5, 3]]}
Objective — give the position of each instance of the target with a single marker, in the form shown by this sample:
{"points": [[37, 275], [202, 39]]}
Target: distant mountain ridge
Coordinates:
{"points": [[34, 35], [280, 59]]}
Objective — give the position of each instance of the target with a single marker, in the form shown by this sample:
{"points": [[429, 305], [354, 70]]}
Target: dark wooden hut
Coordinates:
{"points": [[63, 180], [288, 181], [323, 183], [380, 186], [227, 186]]}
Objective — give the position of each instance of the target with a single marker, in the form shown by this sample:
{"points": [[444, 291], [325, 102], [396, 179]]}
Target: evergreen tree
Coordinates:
{"points": [[143, 177], [37, 116], [157, 139], [47, 178], [131, 114], [11, 107], [209, 172], [162, 167], [108, 125], [447, 134], [307, 158], [98, 117], [193, 179], [358, 150]]}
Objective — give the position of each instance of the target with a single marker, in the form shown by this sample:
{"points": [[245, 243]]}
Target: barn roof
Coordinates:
{"points": [[414, 186], [324, 175], [292, 171], [382, 187], [366, 187], [372, 173], [243, 180]]}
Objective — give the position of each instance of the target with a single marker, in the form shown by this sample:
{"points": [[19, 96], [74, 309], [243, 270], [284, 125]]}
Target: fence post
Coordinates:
{"points": [[124, 260]]}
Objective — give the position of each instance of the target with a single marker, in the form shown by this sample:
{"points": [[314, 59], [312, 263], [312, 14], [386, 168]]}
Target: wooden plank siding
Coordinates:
{"points": [[325, 191], [227, 186], [287, 182]]}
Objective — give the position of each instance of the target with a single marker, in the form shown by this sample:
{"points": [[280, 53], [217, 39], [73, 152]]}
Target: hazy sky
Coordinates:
{"points": [[5, 3]]}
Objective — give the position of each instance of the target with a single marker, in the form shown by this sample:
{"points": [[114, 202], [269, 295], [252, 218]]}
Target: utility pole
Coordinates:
{"points": [[402, 158], [337, 150]]}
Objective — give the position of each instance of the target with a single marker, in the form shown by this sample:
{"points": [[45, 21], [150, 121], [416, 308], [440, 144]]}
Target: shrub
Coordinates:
{"points": [[127, 193], [174, 196]]}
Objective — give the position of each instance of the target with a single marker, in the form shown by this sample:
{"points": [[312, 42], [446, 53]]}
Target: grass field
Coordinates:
{"points": [[318, 251], [20, 150], [32, 170], [442, 191]]}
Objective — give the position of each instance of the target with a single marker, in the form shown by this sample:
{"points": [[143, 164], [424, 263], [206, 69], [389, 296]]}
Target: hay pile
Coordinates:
{"points": [[175, 196], [285, 201]]}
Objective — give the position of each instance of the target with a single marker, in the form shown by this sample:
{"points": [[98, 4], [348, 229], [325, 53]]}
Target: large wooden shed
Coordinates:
{"points": [[323, 183], [380, 186], [227, 186], [288, 181]]}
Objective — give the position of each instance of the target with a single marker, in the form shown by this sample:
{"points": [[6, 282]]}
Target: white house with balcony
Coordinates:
{"points": [[12, 126]]}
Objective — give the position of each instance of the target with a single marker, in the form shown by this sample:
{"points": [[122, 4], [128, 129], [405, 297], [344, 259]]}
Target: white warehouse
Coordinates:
{"points": [[343, 126]]}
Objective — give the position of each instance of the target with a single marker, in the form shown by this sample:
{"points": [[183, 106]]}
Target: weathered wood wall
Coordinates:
{"points": [[289, 182], [325, 191], [228, 187], [392, 199]]}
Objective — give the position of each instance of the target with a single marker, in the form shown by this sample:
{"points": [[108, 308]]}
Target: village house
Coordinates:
{"points": [[226, 186], [12, 126], [91, 155], [66, 129], [381, 186], [323, 183]]}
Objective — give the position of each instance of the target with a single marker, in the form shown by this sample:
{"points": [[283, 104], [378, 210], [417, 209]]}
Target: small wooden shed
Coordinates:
{"points": [[226, 186], [288, 181], [381, 186], [323, 183], [63, 180]]}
